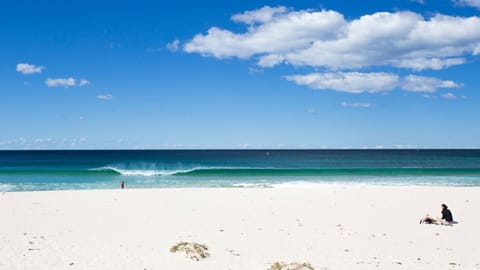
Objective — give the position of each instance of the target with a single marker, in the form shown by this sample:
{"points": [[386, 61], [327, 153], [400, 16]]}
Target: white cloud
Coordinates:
{"points": [[105, 97], [406, 146], [351, 82], [173, 46], [65, 82], [449, 96], [254, 70], [356, 82], [356, 104], [311, 110], [83, 83], [281, 34], [261, 15], [244, 146], [42, 143], [476, 51], [472, 3], [326, 39], [270, 60], [426, 84], [60, 82], [28, 69]]}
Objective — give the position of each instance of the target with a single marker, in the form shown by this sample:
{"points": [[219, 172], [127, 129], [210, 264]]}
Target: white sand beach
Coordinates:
{"points": [[330, 228]]}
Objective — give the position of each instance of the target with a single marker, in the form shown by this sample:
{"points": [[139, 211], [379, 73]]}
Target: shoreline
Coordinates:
{"points": [[290, 184], [315, 186], [244, 228], [258, 186]]}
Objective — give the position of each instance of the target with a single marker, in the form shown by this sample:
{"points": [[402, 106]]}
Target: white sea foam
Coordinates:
{"points": [[299, 184], [152, 171], [253, 185], [347, 184], [312, 184], [141, 172], [6, 187]]}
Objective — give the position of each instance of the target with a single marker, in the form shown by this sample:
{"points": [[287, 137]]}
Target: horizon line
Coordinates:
{"points": [[238, 149]]}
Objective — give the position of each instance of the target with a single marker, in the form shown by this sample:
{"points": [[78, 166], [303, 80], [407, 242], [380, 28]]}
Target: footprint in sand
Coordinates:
{"points": [[232, 252]]}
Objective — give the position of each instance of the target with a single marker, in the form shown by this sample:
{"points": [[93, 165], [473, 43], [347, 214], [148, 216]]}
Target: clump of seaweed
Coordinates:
{"points": [[291, 266], [193, 251]]}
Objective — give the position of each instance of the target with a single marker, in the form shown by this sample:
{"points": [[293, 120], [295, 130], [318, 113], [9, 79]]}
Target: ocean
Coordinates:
{"points": [[104, 169]]}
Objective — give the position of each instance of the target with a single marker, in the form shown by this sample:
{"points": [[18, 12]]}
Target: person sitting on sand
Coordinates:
{"points": [[446, 214], [446, 219]]}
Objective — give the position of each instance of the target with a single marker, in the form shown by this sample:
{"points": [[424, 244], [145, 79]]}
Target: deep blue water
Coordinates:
{"points": [[97, 169]]}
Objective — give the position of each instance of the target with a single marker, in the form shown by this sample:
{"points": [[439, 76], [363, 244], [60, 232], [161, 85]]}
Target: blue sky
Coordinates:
{"points": [[242, 74]]}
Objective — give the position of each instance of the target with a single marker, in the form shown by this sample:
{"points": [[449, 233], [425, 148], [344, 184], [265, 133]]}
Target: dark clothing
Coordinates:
{"points": [[447, 215]]}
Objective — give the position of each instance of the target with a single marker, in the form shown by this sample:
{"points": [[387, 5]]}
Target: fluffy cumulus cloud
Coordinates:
{"points": [[327, 39], [28, 69], [279, 34], [65, 82], [374, 82]]}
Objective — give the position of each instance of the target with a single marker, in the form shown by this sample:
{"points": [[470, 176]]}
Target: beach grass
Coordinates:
{"points": [[193, 251]]}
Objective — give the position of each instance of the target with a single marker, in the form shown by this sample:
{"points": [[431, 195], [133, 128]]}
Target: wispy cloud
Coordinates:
{"points": [[449, 96], [261, 15], [173, 46], [83, 83], [471, 3], [42, 143], [327, 39], [375, 82], [65, 82], [28, 69], [105, 97], [406, 146], [244, 146], [356, 105], [426, 84], [351, 82], [60, 82], [429, 96]]}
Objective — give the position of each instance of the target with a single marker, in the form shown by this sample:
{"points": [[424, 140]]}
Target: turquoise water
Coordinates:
{"points": [[100, 169]]}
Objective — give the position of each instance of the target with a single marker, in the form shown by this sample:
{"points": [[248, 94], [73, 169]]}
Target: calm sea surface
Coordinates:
{"points": [[100, 169]]}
